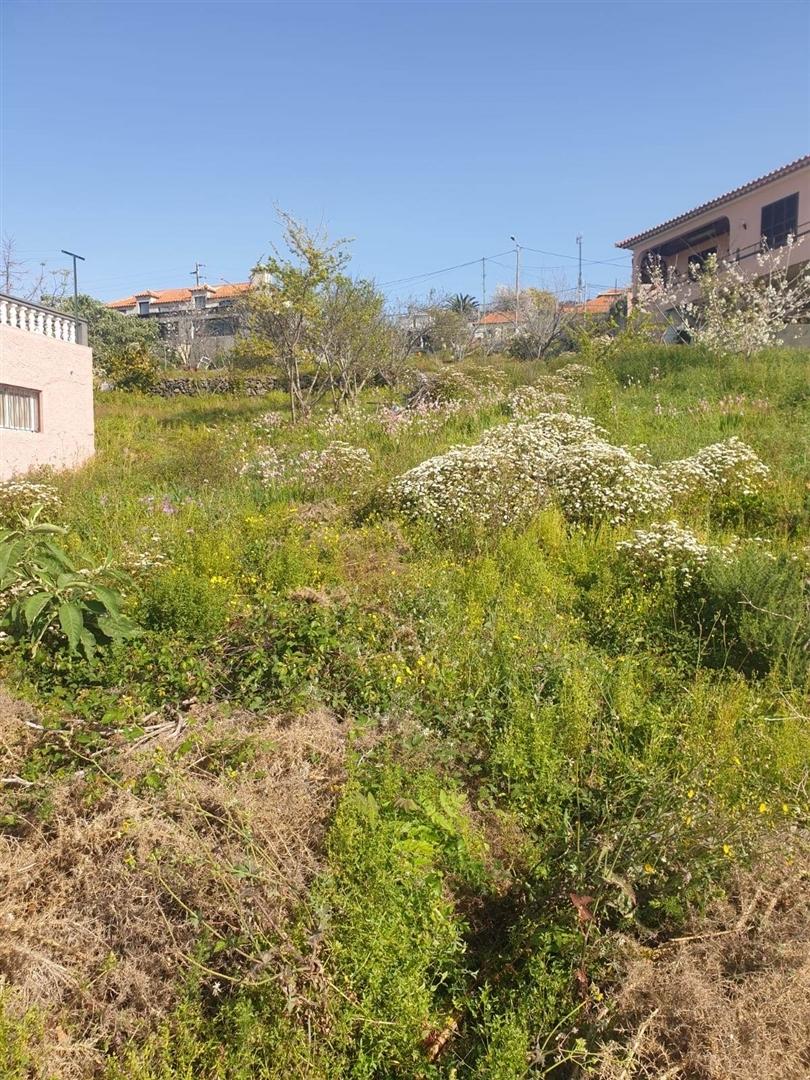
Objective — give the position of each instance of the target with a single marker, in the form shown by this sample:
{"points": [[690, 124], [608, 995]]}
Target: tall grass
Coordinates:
{"points": [[551, 755]]}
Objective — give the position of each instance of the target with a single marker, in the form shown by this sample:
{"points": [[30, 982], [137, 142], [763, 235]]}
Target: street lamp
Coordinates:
{"points": [[74, 256], [517, 280]]}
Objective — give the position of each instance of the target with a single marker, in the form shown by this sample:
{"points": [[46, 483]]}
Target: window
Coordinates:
{"points": [[199, 301], [143, 307], [780, 219], [698, 260], [19, 408]]}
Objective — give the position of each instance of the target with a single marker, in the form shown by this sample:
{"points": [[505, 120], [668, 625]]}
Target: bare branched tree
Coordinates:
{"points": [[452, 331], [542, 322], [16, 279], [188, 334]]}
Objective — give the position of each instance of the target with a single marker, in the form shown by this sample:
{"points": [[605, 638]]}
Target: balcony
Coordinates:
{"points": [[37, 319]]}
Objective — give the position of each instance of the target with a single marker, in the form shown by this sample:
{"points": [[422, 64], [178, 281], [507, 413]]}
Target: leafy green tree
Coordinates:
{"points": [[285, 310], [355, 336], [113, 337], [325, 332]]}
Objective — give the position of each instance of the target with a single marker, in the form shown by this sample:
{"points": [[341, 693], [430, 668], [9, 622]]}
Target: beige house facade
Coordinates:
{"points": [[737, 225], [46, 389]]}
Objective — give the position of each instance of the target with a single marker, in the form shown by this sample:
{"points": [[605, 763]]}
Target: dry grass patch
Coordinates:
{"points": [[728, 1001], [184, 856]]}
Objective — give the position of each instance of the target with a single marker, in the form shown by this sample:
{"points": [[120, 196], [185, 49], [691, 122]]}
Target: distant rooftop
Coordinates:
{"points": [[177, 296], [597, 305]]}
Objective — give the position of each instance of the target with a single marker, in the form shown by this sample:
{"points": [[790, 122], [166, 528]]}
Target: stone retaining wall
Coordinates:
{"points": [[256, 386]]}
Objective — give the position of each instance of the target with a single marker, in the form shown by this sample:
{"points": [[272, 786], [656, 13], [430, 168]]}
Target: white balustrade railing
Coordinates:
{"points": [[36, 319]]}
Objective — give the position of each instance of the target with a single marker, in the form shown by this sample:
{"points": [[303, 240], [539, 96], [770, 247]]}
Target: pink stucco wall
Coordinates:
{"points": [[63, 373], [744, 217]]}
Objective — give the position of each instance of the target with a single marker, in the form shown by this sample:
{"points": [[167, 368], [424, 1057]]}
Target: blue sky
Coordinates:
{"points": [[147, 136]]}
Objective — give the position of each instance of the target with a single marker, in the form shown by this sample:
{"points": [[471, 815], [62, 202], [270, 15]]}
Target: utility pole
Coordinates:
{"points": [[74, 256], [483, 287], [517, 281], [195, 273], [579, 275]]}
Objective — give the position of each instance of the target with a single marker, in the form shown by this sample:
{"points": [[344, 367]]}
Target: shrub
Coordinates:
{"points": [[531, 401], [133, 368], [666, 549], [337, 465], [469, 484], [728, 468], [44, 598]]}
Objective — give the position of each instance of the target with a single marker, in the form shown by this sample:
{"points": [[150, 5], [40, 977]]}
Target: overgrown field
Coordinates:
{"points": [[423, 770]]}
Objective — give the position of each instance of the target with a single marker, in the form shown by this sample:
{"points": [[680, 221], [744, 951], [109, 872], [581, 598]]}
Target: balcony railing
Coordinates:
{"points": [[36, 319]]}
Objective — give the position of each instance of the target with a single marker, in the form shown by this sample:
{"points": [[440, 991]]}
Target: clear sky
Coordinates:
{"points": [[146, 136]]}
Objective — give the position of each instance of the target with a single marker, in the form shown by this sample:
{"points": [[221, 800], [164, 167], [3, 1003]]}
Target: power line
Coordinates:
{"points": [[444, 270], [562, 255]]}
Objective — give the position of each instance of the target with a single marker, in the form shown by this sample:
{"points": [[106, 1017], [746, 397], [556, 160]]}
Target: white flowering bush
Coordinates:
{"points": [[423, 418], [519, 466], [270, 421], [548, 430], [452, 385], [729, 468], [484, 484], [594, 480], [349, 420], [264, 464], [668, 549], [530, 401], [337, 463], [573, 374], [18, 498]]}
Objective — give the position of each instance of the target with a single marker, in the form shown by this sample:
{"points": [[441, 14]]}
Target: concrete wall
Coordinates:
{"points": [[63, 373]]}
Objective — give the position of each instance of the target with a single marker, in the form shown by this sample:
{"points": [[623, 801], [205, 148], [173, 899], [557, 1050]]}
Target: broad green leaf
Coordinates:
{"points": [[9, 555], [117, 627], [69, 578], [33, 606], [88, 643], [109, 598], [56, 553], [72, 622]]}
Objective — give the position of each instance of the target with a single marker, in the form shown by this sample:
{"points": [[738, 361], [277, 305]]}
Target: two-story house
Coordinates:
{"points": [[736, 226], [197, 322]]}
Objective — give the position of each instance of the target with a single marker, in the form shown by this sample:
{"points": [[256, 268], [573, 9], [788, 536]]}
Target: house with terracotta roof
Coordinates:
{"points": [[495, 326], [197, 322], [601, 304], [737, 225]]}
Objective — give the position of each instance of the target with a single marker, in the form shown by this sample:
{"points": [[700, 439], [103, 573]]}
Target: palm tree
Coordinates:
{"points": [[463, 304]]}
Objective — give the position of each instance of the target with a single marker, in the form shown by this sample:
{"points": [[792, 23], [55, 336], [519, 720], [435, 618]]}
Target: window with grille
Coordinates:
{"points": [[780, 219], [19, 408]]}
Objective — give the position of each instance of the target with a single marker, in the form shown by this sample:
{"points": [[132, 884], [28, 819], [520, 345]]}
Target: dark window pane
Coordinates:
{"points": [[780, 219]]}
